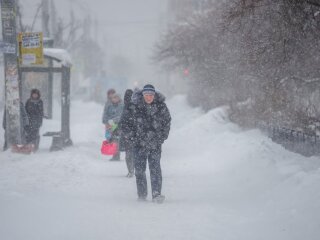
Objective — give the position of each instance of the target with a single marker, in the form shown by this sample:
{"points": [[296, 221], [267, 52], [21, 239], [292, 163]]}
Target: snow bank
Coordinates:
{"points": [[274, 192], [220, 182]]}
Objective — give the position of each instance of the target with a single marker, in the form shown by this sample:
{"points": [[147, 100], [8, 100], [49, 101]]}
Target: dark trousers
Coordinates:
{"points": [[33, 137], [130, 159], [116, 156], [153, 156]]}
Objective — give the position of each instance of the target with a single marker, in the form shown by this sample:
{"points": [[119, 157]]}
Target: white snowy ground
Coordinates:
{"points": [[221, 183]]}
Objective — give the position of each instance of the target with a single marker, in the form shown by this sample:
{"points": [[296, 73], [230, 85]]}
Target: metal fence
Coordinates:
{"points": [[293, 140]]}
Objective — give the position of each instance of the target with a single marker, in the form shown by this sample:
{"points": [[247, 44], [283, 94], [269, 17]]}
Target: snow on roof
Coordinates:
{"points": [[60, 54]]}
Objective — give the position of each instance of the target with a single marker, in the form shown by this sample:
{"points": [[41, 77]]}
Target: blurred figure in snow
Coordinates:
{"points": [[111, 119], [125, 126], [34, 109]]}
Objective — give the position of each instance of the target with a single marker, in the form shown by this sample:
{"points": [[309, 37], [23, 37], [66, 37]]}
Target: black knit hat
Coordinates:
{"points": [[149, 89]]}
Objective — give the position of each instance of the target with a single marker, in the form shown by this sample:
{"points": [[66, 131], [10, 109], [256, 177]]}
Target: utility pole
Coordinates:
{"points": [[12, 83]]}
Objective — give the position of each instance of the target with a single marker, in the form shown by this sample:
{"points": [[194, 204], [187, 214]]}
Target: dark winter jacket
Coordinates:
{"points": [[151, 122], [126, 121], [34, 109]]}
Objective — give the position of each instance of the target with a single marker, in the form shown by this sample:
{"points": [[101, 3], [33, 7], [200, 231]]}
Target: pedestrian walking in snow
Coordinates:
{"points": [[111, 119], [34, 109], [150, 128], [125, 126]]}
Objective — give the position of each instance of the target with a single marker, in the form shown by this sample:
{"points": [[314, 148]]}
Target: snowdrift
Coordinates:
{"points": [[221, 183]]}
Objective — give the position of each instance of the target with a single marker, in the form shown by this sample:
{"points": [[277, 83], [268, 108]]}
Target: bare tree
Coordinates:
{"points": [[244, 51]]}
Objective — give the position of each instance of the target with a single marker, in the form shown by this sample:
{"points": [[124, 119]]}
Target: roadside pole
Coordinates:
{"points": [[12, 83]]}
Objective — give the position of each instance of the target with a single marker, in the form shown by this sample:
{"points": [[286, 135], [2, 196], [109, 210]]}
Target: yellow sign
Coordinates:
{"points": [[30, 48]]}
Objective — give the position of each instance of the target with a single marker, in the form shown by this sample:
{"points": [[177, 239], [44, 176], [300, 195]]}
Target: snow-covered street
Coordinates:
{"points": [[220, 183]]}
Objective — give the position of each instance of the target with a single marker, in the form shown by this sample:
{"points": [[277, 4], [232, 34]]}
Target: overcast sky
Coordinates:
{"points": [[126, 27]]}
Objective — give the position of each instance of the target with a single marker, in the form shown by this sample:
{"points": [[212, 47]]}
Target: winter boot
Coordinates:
{"points": [[130, 175], [158, 199], [116, 157], [142, 199]]}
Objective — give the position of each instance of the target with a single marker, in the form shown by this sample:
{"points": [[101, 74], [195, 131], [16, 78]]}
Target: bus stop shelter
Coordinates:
{"points": [[58, 61]]}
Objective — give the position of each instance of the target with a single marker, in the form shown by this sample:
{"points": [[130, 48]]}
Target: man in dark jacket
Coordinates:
{"points": [[150, 128], [125, 126], [34, 109]]}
